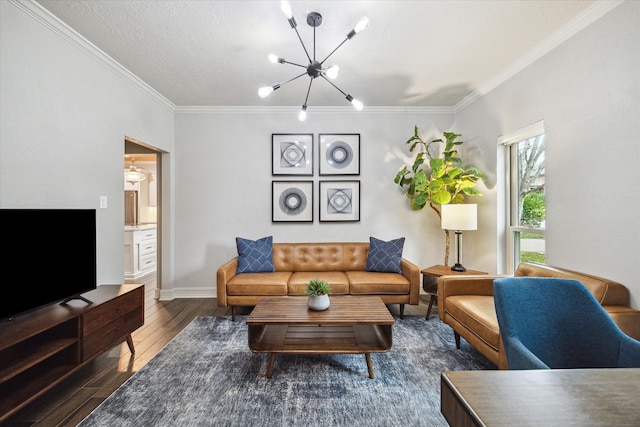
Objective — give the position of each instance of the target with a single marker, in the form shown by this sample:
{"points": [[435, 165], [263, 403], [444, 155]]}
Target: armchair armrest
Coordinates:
{"points": [[481, 284], [520, 357], [412, 272], [629, 353], [225, 273]]}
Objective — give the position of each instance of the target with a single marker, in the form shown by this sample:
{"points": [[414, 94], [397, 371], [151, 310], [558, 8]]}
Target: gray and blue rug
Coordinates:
{"points": [[207, 376]]}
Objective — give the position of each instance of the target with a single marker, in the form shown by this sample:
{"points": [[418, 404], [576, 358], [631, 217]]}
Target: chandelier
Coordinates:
{"points": [[133, 174], [314, 68]]}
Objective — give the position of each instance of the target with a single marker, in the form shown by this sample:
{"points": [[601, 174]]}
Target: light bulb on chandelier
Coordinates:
{"points": [[314, 68], [302, 116]]}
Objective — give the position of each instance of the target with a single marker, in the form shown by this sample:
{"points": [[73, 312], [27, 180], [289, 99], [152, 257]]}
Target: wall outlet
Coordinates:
{"points": [[103, 202]]}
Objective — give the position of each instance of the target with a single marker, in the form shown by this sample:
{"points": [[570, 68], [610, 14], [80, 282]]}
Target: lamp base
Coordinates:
{"points": [[458, 267]]}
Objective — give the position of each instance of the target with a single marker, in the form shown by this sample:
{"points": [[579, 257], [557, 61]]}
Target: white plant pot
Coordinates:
{"points": [[318, 302]]}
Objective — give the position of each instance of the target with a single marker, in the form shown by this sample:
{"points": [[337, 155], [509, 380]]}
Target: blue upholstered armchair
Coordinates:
{"points": [[555, 323]]}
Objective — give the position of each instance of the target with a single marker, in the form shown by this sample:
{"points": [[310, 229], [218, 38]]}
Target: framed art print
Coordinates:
{"points": [[292, 201], [292, 154], [339, 201], [339, 154]]}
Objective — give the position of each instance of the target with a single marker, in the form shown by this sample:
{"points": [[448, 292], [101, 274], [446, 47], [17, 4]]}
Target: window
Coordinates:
{"points": [[525, 196]]}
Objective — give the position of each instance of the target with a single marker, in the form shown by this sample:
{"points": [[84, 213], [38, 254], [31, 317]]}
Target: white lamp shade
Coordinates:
{"points": [[459, 217]]}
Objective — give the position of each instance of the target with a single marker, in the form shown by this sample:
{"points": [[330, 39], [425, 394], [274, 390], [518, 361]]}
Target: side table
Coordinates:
{"points": [[430, 280]]}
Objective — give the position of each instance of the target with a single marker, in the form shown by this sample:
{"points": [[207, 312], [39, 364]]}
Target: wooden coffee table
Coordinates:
{"points": [[351, 325]]}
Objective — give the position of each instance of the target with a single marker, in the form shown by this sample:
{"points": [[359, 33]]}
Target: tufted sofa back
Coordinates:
{"points": [[350, 256], [606, 291]]}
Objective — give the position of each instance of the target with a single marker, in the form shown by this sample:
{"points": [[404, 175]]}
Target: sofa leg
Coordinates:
{"points": [[402, 311], [233, 314], [457, 336]]}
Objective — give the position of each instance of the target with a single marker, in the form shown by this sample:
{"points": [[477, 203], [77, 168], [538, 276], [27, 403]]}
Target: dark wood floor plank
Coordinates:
{"points": [[67, 408], [116, 381], [80, 414]]}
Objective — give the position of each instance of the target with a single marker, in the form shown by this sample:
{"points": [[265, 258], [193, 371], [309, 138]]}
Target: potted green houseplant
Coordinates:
{"points": [[318, 291], [437, 176]]}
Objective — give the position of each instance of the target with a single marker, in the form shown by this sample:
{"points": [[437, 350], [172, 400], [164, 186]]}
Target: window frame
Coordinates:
{"points": [[509, 143]]}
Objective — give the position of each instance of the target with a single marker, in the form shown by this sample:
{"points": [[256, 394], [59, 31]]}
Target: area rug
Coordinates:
{"points": [[207, 376]]}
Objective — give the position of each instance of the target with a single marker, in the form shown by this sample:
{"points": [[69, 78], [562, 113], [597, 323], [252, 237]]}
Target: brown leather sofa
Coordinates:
{"points": [[466, 304], [341, 264]]}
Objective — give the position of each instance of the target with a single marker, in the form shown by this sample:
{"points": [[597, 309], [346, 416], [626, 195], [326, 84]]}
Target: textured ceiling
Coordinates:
{"points": [[414, 53]]}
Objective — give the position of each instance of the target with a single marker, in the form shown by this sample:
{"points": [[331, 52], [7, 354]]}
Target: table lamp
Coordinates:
{"points": [[459, 217]]}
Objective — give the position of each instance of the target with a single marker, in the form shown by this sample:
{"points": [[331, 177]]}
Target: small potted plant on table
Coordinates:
{"points": [[318, 291]]}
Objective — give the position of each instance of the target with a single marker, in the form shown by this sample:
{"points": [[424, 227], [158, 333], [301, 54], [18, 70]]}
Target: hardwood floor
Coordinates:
{"points": [[74, 398]]}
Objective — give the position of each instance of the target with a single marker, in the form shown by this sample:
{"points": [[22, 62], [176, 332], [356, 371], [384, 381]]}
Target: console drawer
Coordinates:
{"points": [[115, 332], [105, 313]]}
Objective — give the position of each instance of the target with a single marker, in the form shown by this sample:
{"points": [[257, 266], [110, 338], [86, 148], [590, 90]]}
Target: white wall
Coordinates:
{"points": [[587, 91], [64, 114]]}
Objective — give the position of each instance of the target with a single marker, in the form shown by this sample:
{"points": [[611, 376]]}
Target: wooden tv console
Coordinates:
{"points": [[41, 348]]}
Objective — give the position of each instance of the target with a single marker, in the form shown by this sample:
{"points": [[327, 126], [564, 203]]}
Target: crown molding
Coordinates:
{"points": [[583, 20], [315, 110], [69, 35]]}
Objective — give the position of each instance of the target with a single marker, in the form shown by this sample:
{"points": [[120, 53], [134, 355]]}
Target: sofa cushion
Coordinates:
{"points": [[478, 314], [337, 280], [259, 284], [318, 257], [385, 256], [255, 256], [374, 283]]}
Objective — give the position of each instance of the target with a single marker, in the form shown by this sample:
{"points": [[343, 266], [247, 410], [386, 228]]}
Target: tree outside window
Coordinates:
{"points": [[529, 215]]}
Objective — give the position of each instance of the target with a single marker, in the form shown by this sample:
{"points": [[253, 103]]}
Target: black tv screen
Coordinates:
{"points": [[49, 256]]}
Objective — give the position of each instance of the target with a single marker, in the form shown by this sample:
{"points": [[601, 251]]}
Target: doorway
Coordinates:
{"points": [[142, 216]]}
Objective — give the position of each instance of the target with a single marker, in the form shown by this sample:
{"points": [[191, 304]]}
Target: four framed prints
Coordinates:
{"points": [[338, 156]]}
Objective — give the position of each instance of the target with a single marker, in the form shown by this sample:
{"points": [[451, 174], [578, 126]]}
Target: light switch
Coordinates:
{"points": [[103, 202]]}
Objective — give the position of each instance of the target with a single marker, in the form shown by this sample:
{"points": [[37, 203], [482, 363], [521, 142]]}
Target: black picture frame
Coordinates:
{"points": [[339, 201], [292, 154], [339, 154], [292, 201]]}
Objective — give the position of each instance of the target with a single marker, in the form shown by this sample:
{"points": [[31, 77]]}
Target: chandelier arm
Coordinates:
{"points": [[293, 63], [308, 90], [293, 78], [302, 43], [333, 51], [331, 83]]}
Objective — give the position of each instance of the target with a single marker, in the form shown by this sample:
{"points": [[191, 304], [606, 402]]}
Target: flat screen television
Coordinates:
{"points": [[49, 257]]}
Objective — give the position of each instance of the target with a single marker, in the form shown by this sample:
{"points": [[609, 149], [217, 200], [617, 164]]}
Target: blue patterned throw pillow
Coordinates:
{"points": [[255, 256], [385, 256]]}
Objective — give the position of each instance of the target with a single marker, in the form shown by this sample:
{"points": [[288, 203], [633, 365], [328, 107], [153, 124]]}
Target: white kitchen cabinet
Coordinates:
{"points": [[139, 250]]}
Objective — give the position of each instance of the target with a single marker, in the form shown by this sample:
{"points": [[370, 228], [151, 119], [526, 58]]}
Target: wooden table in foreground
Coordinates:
{"points": [[351, 325], [546, 397]]}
